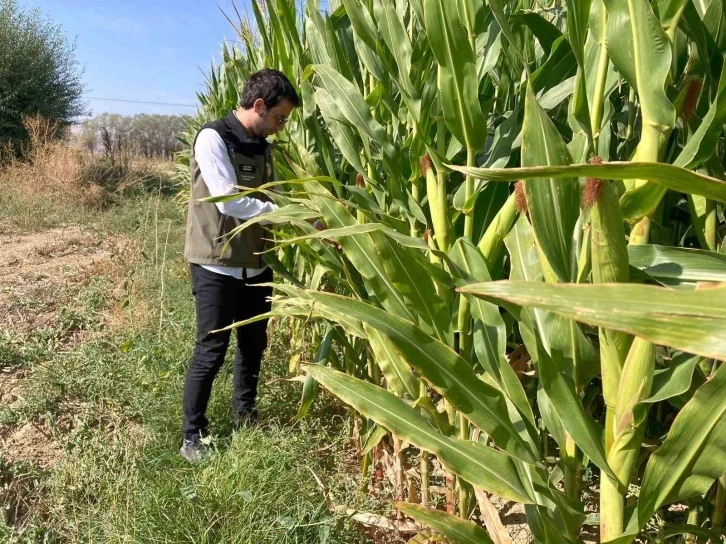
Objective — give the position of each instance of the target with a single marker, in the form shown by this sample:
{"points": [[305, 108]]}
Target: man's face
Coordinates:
{"points": [[271, 120]]}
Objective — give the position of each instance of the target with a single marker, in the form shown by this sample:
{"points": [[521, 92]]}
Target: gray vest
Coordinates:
{"points": [[207, 238]]}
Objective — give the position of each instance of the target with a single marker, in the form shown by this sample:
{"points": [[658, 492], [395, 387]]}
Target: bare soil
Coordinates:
{"points": [[39, 270], [39, 273], [11, 384], [514, 520], [32, 443]]}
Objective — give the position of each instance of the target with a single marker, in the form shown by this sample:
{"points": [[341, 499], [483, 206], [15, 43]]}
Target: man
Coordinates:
{"points": [[228, 152]]}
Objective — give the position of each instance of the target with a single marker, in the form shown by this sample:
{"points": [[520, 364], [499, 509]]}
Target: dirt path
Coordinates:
{"points": [[37, 269], [40, 272]]}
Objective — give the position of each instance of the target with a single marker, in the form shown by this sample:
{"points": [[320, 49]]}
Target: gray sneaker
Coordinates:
{"points": [[194, 450]]}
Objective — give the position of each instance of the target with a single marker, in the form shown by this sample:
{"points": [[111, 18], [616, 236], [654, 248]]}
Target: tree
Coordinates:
{"points": [[39, 73], [147, 135]]}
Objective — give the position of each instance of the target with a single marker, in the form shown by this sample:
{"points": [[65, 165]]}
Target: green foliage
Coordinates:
{"points": [[39, 74]]}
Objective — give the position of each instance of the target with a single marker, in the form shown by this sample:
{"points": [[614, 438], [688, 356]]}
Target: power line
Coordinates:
{"points": [[140, 102]]}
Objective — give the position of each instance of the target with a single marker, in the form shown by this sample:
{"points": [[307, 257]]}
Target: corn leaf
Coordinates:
{"points": [[692, 321], [458, 81], [472, 461], [475, 15], [641, 52], [413, 275], [359, 249], [704, 218], [705, 47], [263, 27], [674, 380], [526, 266], [564, 401], [361, 22], [394, 35], [641, 200], [356, 112], [455, 529], [578, 14], [554, 96], [497, 8], [669, 11], [644, 199], [490, 334], [693, 454], [398, 374], [375, 435], [286, 8], [484, 405], [372, 62], [702, 144], [545, 32], [423, 284], [310, 386], [667, 175], [356, 229], [553, 205], [316, 37], [559, 66], [279, 40], [675, 265], [551, 420], [344, 136]]}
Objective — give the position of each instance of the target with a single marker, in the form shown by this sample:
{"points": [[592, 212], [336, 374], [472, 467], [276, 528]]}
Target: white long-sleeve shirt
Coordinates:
{"points": [[218, 174]]}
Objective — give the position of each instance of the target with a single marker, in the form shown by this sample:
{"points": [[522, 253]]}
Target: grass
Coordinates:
{"points": [[103, 381]]}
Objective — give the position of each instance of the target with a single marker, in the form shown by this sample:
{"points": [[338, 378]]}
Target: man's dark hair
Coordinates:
{"points": [[269, 85]]}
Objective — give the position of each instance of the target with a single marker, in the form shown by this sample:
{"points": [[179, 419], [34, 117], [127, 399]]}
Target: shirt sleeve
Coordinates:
{"points": [[218, 174]]}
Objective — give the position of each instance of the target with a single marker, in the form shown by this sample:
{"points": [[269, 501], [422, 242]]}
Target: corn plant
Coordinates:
{"points": [[435, 276]]}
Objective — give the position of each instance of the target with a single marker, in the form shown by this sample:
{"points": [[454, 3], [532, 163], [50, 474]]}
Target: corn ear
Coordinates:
{"points": [[436, 191], [609, 265], [491, 244]]}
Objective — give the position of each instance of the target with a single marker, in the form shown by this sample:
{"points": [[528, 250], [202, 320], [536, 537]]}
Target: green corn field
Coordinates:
{"points": [[519, 285]]}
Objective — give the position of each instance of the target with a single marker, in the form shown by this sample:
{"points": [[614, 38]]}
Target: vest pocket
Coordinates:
{"points": [[218, 242], [226, 224], [220, 228]]}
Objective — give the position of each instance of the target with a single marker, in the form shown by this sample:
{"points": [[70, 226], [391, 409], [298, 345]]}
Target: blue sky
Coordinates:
{"points": [[148, 50]]}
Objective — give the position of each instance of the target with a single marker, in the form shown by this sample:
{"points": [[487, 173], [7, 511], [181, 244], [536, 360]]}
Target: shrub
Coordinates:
{"points": [[39, 74], [53, 169]]}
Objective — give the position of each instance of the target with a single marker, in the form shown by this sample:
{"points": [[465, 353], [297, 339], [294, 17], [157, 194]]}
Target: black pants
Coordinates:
{"points": [[220, 301]]}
